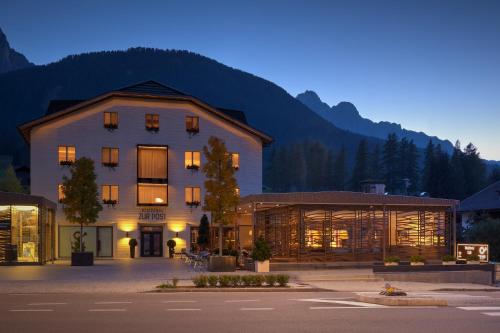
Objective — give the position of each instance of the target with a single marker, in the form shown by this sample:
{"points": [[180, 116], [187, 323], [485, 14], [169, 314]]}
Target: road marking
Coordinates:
{"points": [[189, 309], [107, 310], [307, 299], [32, 310], [480, 308], [493, 314], [179, 301], [104, 303], [323, 300], [257, 309], [241, 300], [37, 304], [369, 308]]}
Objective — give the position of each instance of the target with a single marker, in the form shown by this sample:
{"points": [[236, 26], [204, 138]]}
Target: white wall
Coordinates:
{"points": [[85, 131]]}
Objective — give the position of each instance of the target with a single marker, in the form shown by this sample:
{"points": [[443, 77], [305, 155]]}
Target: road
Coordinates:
{"points": [[471, 312]]}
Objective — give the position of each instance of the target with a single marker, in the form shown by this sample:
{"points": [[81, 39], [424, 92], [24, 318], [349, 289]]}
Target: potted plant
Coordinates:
{"points": [[472, 259], [132, 243], [171, 248], [417, 260], [449, 260], [261, 254], [81, 205], [391, 261], [220, 198]]}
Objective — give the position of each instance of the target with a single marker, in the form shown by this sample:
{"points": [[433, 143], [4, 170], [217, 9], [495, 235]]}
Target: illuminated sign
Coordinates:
{"points": [[481, 250], [152, 214]]}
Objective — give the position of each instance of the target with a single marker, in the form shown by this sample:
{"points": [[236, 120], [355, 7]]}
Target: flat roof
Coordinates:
{"points": [[11, 198], [269, 200]]}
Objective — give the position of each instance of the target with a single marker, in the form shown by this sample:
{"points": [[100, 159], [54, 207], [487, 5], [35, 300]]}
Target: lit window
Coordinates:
{"points": [[60, 193], [152, 194], [153, 122], [193, 196], [110, 194], [111, 120], [66, 155], [237, 190], [109, 157], [192, 160], [235, 160], [192, 124], [152, 164]]}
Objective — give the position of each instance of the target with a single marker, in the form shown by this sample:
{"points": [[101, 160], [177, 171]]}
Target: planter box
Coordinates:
{"points": [[261, 266], [446, 263], [222, 264], [82, 259], [417, 263], [391, 263], [473, 262]]}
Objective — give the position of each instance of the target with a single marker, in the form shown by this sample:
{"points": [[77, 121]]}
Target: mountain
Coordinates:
{"points": [[25, 94], [10, 59], [345, 115]]}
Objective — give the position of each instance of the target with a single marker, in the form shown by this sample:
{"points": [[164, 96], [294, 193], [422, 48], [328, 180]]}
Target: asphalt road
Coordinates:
{"points": [[241, 312]]}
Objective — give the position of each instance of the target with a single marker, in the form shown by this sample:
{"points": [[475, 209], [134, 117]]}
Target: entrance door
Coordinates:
{"points": [[151, 243]]}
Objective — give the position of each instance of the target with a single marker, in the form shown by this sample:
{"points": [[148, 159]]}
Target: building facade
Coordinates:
{"points": [[480, 205], [146, 142]]}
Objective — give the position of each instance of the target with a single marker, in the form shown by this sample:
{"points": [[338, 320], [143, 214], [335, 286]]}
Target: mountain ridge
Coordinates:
{"points": [[345, 115], [10, 59]]}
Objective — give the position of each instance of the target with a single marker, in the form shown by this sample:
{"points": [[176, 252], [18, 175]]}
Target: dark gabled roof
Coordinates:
{"points": [[57, 105], [486, 199], [150, 90]]}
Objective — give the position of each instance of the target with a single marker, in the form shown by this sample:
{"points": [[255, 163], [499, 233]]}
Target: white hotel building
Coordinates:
{"points": [[146, 141]]}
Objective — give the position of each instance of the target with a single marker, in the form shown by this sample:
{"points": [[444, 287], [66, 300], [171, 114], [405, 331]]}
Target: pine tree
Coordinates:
{"points": [[297, 168], [457, 174], [221, 198], [330, 170], [408, 166], [441, 173], [390, 163], [360, 171], [81, 198], [9, 181], [474, 170], [494, 175], [375, 165], [427, 172], [340, 171]]}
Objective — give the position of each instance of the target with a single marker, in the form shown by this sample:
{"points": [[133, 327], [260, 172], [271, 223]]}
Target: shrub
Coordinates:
{"points": [[449, 257], [472, 257], [200, 281], [485, 230], [417, 258], [282, 279], [247, 280], [391, 259], [212, 280], [224, 281], [175, 281], [270, 280], [168, 285], [235, 280], [257, 280], [261, 250]]}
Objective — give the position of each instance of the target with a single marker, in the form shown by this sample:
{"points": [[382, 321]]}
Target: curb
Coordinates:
{"points": [[401, 300], [248, 290]]}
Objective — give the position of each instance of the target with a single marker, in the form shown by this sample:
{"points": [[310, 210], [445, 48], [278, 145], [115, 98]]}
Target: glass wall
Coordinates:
{"points": [[25, 233], [98, 240]]}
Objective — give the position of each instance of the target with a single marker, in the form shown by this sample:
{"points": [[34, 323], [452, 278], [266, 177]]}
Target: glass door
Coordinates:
{"points": [[151, 244], [104, 241]]}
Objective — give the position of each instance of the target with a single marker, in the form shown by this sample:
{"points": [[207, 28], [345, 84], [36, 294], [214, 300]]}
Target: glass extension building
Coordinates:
{"points": [[26, 229], [347, 226]]}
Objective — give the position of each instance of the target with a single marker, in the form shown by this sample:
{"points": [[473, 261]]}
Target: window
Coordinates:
{"points": [[110, 194], [192, 160], [193, 196], [152, 122], [192, 124], [111, 120], [109, 157], [152, 164], [152, 194], [235, 160], [237, 190], [66, 155], [60, 193]]}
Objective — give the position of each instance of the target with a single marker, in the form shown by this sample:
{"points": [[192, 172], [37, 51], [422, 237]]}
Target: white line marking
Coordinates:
{"points": [[182, 309], [33, 310], [322, 300], [241, 300], [179, 301], [104, 303], [369, 308], [480, 308], [36, 304], [257, 309], [493, 314], [307, 299], [107, 310]]}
